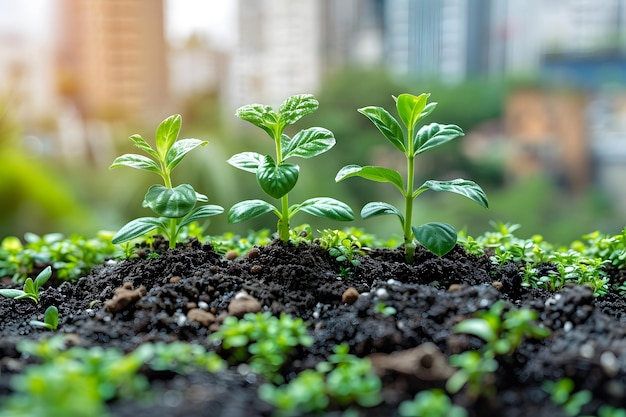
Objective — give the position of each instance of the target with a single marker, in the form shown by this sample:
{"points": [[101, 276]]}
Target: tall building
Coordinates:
{"points": [[278, 52], [112, 61]]}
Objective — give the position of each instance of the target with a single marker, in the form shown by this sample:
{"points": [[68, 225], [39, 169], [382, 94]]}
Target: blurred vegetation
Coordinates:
{"points": [[46, 193]]}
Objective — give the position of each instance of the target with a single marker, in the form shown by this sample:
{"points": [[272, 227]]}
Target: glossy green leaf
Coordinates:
{"points": [[387, 125], [477, 327], [428, 109], [11, 293], [439, 238], [373, 173], [460, 186], [433, 135], [276, 180], [200, 213], [137, 228], [51, 317], [166, 134], [259, 115], [296, 107], [43, 277], [247, 161], [136, 161], [308, 143], [30, 287], [378, 208], [326, 207], [180, 149], [170, 202], [201, 198], [410, 107], [249, 209], [141, 143]]}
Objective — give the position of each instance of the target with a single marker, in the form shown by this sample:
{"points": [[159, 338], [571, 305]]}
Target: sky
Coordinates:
{"points": [[216, 18]]}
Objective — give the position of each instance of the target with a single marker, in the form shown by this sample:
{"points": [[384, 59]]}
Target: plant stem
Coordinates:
{"points": [[283, 221], [172, 233], [409, 245]]}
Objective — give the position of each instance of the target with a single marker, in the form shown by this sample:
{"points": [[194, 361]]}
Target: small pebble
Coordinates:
{"points": [[350, 296], [609, 363], [203, 305], [587, 351], [255, 269], [231, 255], [175, 279], [497, 285], [253, 253], [568, 326], [454, 287], [382, 294]]}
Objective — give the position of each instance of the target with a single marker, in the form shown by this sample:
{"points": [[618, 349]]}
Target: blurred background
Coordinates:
{"points": [[539, 88]]}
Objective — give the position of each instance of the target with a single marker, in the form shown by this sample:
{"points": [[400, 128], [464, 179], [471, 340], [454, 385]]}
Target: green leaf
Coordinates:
{"points": [[11, 293], [428, 109], [477, 327], [460, 186], [410, 108], [326, 207], [387, 125], [296, 107], [277, 180], [200, 213], [247, 161], [308, 143], [259, 115], [373, 173], [173, 203], [378, 208], [166, 134], [249, 209], [143, 145], [439, 238], [433, 135], [179, 150], [137, 228], [43, 277], [29, 287], [51, 317], [136, 161]]}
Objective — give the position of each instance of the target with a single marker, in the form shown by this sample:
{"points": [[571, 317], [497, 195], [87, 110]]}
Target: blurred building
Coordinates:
{"points": [[112, 59]]}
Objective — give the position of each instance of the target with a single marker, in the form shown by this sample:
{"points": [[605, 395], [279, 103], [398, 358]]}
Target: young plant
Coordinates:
{"points": [[31, 288], [275, 176], [431, 403], [562, 394], [175, 206], [438, 238], [50, 319]]}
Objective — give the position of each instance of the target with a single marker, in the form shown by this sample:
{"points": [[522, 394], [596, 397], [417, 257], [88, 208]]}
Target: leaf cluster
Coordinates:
{"points": [[431, 403], [50, 319], [31, 287]]}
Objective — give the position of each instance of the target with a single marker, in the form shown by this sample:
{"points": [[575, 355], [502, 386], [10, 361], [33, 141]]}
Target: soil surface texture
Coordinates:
{"points": [[183, 294]]}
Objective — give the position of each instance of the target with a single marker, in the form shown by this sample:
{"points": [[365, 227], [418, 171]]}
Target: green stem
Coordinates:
{"points": [[172, 233], [283, 221], [409, 244]]}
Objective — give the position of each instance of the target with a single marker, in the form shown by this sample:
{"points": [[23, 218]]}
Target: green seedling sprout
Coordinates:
{"points": [[275, 176], [31, 287], [176, 206], [438, 238], [50, 319]]}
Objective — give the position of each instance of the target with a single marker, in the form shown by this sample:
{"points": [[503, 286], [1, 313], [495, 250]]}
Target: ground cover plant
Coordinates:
{"points": [[313, 322]]}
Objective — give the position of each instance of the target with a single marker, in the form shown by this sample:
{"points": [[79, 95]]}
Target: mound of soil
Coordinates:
{"points": [[184, 293]]}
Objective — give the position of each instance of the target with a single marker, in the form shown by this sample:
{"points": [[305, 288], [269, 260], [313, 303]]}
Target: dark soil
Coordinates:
{"points": [[430, 297]]}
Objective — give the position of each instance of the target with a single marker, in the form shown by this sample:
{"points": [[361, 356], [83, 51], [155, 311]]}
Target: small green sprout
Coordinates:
{"points": [[341, 246], [384, 309], [438, 238], [562, 394], [50, 319], [31, 288], [176, 206], [276, 177], [431, 403]]}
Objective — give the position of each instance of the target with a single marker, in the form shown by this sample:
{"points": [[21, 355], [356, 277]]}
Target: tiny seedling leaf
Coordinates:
{"points": [[249, 209], [460, 186], [200, 213], [308, 143], [247, 161], [326, 207], [137, 228], [378, 208], [277, 180], [170, 202], [259, 115], [433, 135], [43, 277], [372, 173], [132, 160], [387, 125], [166, 134], [296, 107], [410, 107], [477, 327], [51, 317], [439, 238], [11, 293], [179, 150], [141, 143]]}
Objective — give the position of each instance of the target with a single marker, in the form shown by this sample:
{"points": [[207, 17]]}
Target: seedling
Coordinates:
{"points": [[431, 403], [175, 206], [276, 177], [438, 238], [31, 288], [341, 246], [562, 394], [50, 319]]}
